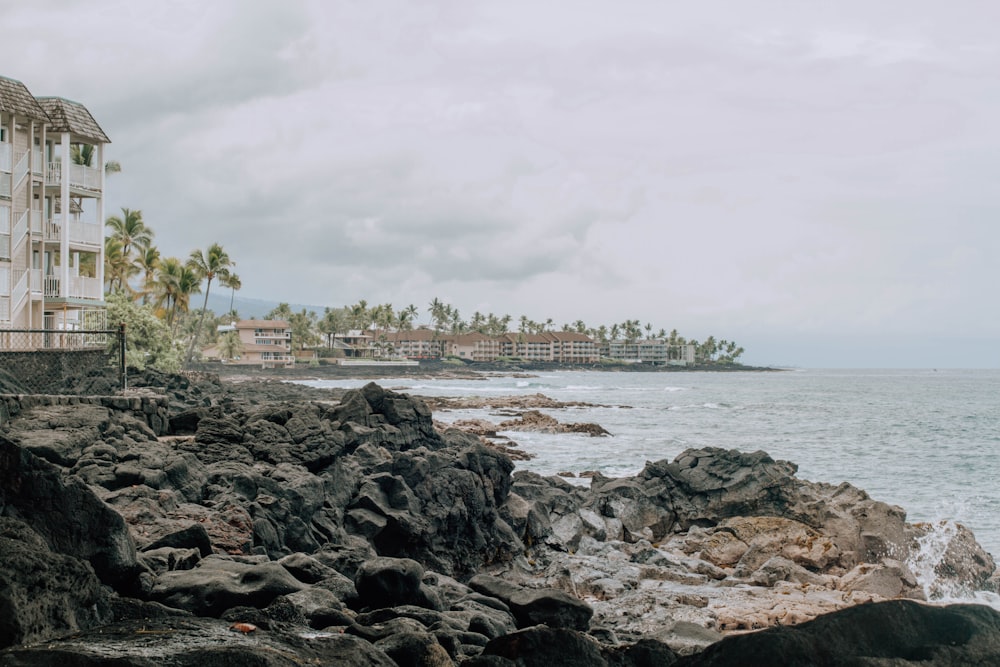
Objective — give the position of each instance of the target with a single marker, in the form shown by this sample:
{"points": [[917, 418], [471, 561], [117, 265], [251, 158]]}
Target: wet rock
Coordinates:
{"points": [[539, 422]]}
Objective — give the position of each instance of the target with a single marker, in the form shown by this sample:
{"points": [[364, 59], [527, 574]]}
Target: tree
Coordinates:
{"points": [[302, 326], [84, 154], [359, 315], [208, 265], [118, 268], [233, 282], [406, 317], [280, 312], [130, 230], [230, 346], [335, 320], [147, 261], [147, 341]]}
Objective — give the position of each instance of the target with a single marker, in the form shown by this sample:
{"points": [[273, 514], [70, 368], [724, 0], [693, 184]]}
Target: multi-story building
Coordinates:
{"points": [[649, 351], [417, 343], [51, 212], [473, 346], [266, 343]]}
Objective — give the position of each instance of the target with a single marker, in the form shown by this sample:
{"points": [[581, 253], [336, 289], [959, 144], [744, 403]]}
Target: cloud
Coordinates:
{"points": [[771, 168]]}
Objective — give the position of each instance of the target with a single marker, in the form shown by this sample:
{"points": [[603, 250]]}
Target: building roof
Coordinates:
{"points": [[68, 116], [262, 324], [16, 99]]}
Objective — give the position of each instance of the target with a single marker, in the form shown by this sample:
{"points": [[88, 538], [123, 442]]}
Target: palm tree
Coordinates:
{"points": [[130, 230], [146, 264], [230, 345], [359, 315], [406, 316], [335, 320], [439, 313], [233, 282], [208, 265], [117, 267], [84, 154]]}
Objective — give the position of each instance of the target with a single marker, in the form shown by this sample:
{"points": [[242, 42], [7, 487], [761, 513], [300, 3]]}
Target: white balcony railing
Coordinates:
{"points": [[80, 176], [36, 281], [21, 167], [79, 287], [51, 287], [4, 248], [36, 165], [6, 157], [20, 229], [4, 309], [81, 233], [20, 290]]}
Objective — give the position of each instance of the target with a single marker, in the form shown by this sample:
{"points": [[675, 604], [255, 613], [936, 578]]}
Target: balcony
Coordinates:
{"points": [[79, 287], [80, 233], [6, 157], [80, 176]]}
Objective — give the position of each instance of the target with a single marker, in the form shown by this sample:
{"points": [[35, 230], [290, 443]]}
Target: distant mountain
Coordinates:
{"points": [[246, 307]]}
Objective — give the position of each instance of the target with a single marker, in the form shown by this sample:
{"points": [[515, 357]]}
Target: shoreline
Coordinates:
{"points": [[459, 370]]}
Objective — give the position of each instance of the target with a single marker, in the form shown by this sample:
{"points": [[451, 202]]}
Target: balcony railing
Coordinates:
{"points": [[4, 309], [84, 233], [80, 176], [20, 290], [6, 157], [5, 246], [79, 287]]}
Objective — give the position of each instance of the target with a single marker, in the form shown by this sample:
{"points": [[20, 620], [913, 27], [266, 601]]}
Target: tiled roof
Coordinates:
{"points": [[15, 98], [68, 116], [262, 324]]}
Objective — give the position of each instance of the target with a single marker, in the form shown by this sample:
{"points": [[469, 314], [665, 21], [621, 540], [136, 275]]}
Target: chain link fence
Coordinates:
{"points": [[59, 361]]}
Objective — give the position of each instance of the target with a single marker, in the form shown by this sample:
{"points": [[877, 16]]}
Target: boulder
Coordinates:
{"points": [[217, 584], [897, 632], [389, 582], [67, 514], [549, 606], [542, 646], [44, 594], [197, 642]]}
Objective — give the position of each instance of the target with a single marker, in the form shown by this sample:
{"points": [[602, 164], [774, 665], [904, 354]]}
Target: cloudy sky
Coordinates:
{"points": [[818, 183]]}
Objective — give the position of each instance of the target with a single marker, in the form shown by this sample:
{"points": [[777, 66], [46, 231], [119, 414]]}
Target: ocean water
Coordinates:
{"points": [[926, 440]]}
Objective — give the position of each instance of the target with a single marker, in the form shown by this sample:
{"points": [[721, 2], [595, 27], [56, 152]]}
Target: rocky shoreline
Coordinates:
{"points": [[273, 524]]}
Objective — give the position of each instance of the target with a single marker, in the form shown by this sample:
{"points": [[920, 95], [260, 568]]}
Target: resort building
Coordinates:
{"points": [[265, 343], [649, 351], [51, 213], [417, 343], [355, 344]]}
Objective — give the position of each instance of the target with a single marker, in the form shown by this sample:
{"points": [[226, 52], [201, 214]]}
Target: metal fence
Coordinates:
{"points": [[62, 361]]}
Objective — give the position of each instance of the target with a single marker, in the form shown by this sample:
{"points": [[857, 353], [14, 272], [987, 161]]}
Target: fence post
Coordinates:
{"points": [[121, 356]]}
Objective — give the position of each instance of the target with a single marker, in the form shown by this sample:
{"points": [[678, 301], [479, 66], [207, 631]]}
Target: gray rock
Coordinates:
{"points": [[550, 606]]}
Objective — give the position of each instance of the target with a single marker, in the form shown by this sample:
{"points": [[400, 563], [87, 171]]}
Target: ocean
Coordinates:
{"points": [[926, 440]]}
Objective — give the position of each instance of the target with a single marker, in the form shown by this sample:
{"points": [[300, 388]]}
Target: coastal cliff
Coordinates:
{"points": [[344, 527]]}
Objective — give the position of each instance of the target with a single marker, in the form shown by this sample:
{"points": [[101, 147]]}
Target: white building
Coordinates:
{"points": [[51, 212]]}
